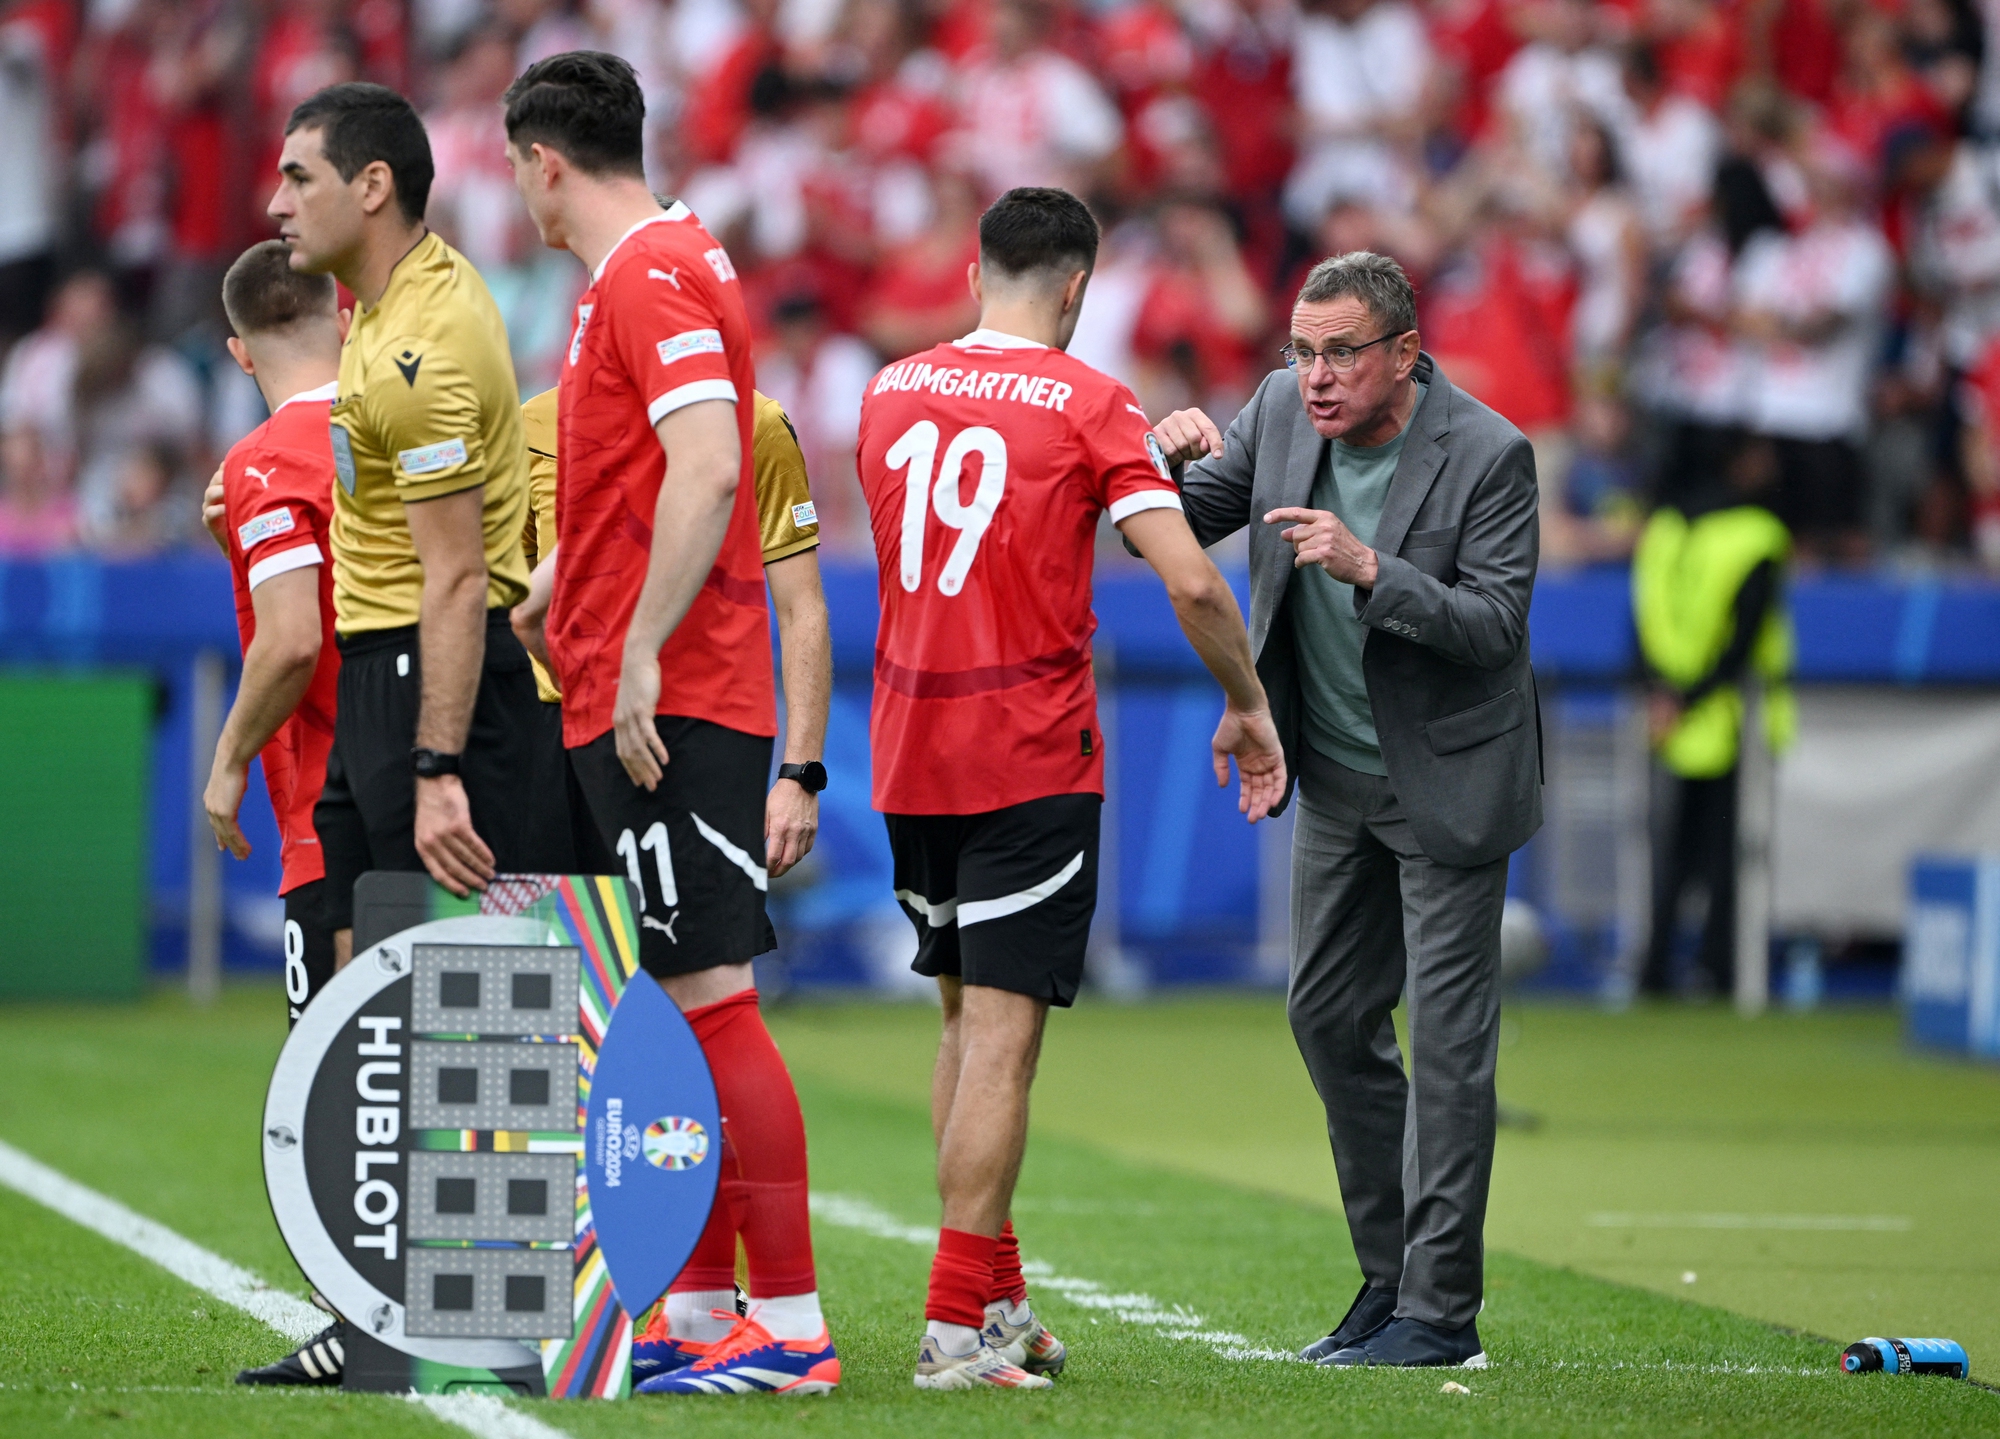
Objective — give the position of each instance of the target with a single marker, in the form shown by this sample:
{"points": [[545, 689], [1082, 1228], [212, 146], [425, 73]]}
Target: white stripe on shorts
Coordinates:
{"points": [[978, 911], [735, 854], [936, 913]]}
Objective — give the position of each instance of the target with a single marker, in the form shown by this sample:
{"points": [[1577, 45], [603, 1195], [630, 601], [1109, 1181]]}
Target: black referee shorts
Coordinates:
{"points": [[694, 844], [308, 946], [366, 815], [1004, 898]]}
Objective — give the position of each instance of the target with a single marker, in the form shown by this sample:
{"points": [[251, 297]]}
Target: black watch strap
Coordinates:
{"points": [[810, 776], [430, 763]]}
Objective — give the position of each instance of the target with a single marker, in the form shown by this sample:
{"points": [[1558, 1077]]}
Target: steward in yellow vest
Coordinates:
{"points": [[1707, 597]]}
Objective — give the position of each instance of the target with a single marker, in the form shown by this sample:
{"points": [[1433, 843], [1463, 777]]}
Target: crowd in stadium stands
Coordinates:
{"points": [[1634, 224]]}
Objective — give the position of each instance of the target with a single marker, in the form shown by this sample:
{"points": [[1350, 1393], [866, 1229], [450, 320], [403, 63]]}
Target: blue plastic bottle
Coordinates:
{"points": [[1906, 1356]]}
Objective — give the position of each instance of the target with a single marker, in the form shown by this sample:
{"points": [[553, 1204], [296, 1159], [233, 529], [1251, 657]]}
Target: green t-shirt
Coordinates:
{"points": [[1354, 484]]}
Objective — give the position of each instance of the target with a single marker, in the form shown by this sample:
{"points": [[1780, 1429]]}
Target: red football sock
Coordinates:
{"points": [[961, 1276], [762, 1127], [712, 1266], [1008, 1282]]}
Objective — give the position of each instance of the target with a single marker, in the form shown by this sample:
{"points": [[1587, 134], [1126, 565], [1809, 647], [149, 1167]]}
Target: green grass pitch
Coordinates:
{"points": [[1812, 1177]]}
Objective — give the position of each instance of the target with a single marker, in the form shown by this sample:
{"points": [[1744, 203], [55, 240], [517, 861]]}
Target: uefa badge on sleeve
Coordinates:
{"points": [[484, 1145]]}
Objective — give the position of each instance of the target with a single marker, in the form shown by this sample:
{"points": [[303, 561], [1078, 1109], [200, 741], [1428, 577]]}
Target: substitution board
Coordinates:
{"points": [[484, 1145]]}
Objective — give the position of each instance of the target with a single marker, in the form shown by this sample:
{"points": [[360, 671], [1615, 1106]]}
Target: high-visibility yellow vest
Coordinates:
{"points": [[1685, 578]]}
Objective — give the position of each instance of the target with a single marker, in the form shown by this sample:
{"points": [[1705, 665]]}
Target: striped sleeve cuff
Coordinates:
{"points": [[1131, 504], [690, 394], [296, 558]]}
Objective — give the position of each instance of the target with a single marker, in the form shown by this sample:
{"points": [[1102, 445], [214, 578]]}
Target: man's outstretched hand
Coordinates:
{"points": [[1252, 739], [1188, 435]]}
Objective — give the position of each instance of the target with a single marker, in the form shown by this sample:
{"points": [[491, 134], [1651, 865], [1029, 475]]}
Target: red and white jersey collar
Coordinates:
{"points": [[675, 211]]}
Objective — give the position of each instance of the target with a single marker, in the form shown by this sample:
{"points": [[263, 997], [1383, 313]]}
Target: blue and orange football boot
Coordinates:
{"points": [[655, 1351], [750, 1361]]}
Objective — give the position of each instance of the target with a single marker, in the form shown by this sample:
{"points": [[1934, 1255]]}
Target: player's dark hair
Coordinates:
{"points": [[262, 292], [358, 124], [586, 106], [1033, 227]]}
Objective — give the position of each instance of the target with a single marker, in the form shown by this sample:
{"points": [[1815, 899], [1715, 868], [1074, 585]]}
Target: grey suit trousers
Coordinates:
{"points": [[1374, 920]]}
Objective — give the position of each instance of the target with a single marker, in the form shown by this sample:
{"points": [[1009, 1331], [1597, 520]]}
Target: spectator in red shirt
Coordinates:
{"points": [[920, 297]]}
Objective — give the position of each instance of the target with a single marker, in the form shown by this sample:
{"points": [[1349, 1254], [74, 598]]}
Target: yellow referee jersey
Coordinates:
{"points": [[428, 407], [786, 520]]}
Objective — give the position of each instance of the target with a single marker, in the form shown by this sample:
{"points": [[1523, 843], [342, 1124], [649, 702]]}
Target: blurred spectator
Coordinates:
{"points": [[1202, 318], [473, 202], [1566, 68], [1360, 70], [38, 389], [1030, 115], [1811, 307], [152, 505], [1610, 249], [1956, 251], [1669, 142], [130, 398], [819, 376], [920, 296], [37, 515], [34, 42]]}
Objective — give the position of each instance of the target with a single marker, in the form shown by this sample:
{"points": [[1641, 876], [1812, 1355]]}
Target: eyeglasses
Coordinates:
{"points": [[1338, 357]]}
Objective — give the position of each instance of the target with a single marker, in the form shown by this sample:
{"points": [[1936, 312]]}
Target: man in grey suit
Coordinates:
{"points": [[1393, 543]]}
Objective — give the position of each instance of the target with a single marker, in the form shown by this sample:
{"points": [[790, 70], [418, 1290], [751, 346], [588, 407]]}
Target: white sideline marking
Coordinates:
{"points": [[298, 1321], [291, 1316], [486, 1416], [1881, 1223], [1175, 1322]]}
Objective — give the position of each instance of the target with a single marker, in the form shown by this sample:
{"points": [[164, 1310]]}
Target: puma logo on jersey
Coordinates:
{"points": [[1137, 411], [576, 340], [667, 929], [408, 363], [718, 261], [263, 477], [670, 276]]}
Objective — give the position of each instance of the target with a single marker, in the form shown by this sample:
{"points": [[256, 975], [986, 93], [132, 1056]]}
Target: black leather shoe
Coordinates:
{"points": [[1371, 1309], [318, 1361], [1413, 1344]]}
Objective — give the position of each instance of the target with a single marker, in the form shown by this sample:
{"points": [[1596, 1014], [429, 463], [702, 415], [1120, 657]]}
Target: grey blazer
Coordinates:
{"points": [[1446, 657]]}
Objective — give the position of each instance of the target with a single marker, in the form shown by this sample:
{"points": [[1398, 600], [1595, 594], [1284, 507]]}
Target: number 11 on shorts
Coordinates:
{"points": [[663, 863]]}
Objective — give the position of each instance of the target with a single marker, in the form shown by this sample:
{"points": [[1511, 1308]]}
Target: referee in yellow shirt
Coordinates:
{"points": [[788, 525], [438, 720]]}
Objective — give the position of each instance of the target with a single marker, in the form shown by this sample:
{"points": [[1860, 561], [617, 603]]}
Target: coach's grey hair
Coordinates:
{"points": [[1375, 280]]}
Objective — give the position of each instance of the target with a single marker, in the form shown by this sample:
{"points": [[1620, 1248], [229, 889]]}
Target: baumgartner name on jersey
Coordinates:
{"points": [[986, 463]]}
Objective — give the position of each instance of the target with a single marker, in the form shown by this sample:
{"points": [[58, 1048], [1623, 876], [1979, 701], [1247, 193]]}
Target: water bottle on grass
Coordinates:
{"points": [[1906, 1356]]}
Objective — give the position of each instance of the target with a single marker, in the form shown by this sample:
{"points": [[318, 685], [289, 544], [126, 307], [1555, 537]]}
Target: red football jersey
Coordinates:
{"points": [[985, 463], [661, 326], [277, 488]]}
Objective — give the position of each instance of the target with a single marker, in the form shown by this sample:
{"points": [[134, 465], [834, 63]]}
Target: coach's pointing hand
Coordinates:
{"points": [[1321, 539], [1188, 435]]}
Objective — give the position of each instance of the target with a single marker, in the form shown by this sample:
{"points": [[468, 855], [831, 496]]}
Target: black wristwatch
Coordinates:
{"points": [[430, 763], [810, 776]]}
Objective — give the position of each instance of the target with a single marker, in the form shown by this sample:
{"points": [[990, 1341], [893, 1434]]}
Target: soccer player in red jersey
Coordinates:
{"points": [[276, 504], [269, 508], [660, 638], [986, 463]]}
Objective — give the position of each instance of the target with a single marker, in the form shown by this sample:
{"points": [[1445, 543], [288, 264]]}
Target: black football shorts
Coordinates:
{"points": [[308, 946], [694, 844], [366, 815], [1004, 898]]}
